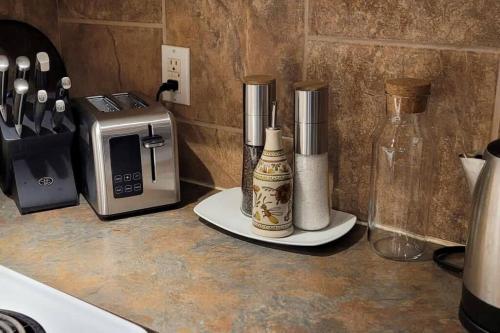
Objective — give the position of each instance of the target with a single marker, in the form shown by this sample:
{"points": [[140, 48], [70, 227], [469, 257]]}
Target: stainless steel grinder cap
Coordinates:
{"points": [[311, 117], [259, 93]]}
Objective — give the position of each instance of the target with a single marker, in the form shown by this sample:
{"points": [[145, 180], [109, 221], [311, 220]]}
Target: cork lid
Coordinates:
{"points": [[310, 85], [259, 79], [408, 87]]}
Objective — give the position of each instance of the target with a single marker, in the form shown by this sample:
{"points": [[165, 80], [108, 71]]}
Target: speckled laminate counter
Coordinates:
{"points": [[171, 272]]}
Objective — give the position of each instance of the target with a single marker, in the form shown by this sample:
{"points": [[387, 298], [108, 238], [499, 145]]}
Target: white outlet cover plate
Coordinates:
{"points": [[182, 73]]}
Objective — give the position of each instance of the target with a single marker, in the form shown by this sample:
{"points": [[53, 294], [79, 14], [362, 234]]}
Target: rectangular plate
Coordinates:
{"points": [[223, 210]]}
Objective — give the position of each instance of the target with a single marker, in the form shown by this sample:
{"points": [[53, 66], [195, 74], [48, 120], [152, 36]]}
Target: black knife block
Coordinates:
{"points": [[36, 170]]}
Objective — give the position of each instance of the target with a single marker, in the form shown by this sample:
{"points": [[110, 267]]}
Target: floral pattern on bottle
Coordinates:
{"points": [[272, 190]]}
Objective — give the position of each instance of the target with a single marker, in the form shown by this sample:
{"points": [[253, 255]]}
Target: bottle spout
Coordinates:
{"points": [[472, 165]]}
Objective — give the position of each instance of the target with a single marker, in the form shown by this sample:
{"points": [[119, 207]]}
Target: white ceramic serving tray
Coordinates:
{"points": [[223, 210]]}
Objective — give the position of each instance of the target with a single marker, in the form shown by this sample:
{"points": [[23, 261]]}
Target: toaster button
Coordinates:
{"points": [[136, 176], [128, 188], [119, 189], [137, 187], [118, 178], [127, 177]]}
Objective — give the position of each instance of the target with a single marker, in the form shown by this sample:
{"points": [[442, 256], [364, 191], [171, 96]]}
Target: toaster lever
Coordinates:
{"points": [[153, 141]]}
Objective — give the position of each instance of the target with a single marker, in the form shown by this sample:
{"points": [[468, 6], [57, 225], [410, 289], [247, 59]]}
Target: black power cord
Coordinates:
{"points": [[170, 85]]}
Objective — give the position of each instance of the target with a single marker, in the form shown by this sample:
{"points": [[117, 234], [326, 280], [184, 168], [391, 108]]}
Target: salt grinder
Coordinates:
{"points": [[259, 92], [311, 185]]}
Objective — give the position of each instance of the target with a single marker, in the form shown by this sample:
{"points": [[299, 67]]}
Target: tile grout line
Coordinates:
{"points": [[402, 43], [306, 39], [164, 20], [429, 239], [495, 126], [112, 23], [209, 125], [230, 129]]}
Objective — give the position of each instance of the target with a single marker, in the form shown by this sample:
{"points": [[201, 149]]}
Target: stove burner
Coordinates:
{"points": [[13, 322]]}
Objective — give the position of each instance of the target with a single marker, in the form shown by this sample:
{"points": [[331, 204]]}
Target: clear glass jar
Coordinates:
{"points": [[401, 177]]}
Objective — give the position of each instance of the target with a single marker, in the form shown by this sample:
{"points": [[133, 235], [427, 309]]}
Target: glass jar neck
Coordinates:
{"points": [[405, 109]]}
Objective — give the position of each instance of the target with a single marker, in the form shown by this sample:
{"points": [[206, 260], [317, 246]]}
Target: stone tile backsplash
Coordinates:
{"points": [[146, 11], [106, 59], [461, 108], [354, 45], [230, 39], [457, 22], [210, 155]]}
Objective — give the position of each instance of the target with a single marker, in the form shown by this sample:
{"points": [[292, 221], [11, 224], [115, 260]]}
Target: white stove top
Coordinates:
{"points": [[56, 311]]}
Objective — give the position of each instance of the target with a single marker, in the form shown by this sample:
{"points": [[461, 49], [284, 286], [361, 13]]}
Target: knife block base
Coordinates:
{"points": [[36, 170]]}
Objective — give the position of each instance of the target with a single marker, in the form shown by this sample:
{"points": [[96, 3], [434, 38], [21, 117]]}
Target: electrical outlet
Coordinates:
{"points": [[175, 66]]}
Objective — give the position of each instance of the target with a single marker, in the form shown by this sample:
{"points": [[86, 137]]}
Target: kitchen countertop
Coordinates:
{"points": [[169, 271]]}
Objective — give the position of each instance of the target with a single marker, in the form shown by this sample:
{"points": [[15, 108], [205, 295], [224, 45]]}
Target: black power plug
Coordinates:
{"points": [[170, 85]]}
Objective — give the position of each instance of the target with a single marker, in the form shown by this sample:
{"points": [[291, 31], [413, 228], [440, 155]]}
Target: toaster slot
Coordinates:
{"points": [[103, 103], [129, 101]]}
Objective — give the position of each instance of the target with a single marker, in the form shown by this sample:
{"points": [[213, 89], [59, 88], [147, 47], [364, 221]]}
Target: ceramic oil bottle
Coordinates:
{"points": [[259, 92], [272, 188], [311, 207]]}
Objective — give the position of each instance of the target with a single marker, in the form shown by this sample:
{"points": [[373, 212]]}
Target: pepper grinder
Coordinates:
{"points": [[259, 92], [272, 187], [311, 187]]}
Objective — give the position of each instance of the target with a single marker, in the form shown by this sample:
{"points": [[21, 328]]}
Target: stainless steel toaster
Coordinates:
{"points": [[128, 153]]}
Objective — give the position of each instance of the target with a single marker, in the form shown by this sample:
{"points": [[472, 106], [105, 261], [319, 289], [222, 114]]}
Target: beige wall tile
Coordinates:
{"points": [[231, 39], [211, 30], [209, 155], [460, 22], [42, 14], [275, 45], [105, 59], [461, 106], [147, 11]]}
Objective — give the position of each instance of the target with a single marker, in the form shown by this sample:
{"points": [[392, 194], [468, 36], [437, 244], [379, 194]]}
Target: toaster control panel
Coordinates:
{"points": [[126, 166]]}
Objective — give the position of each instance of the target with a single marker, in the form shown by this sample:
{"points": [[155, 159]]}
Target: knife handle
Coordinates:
{"points": [[22, 67], [58, 114], [21, 87], [42, 67], [39, 110], [63, 86], [4, 81]]}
